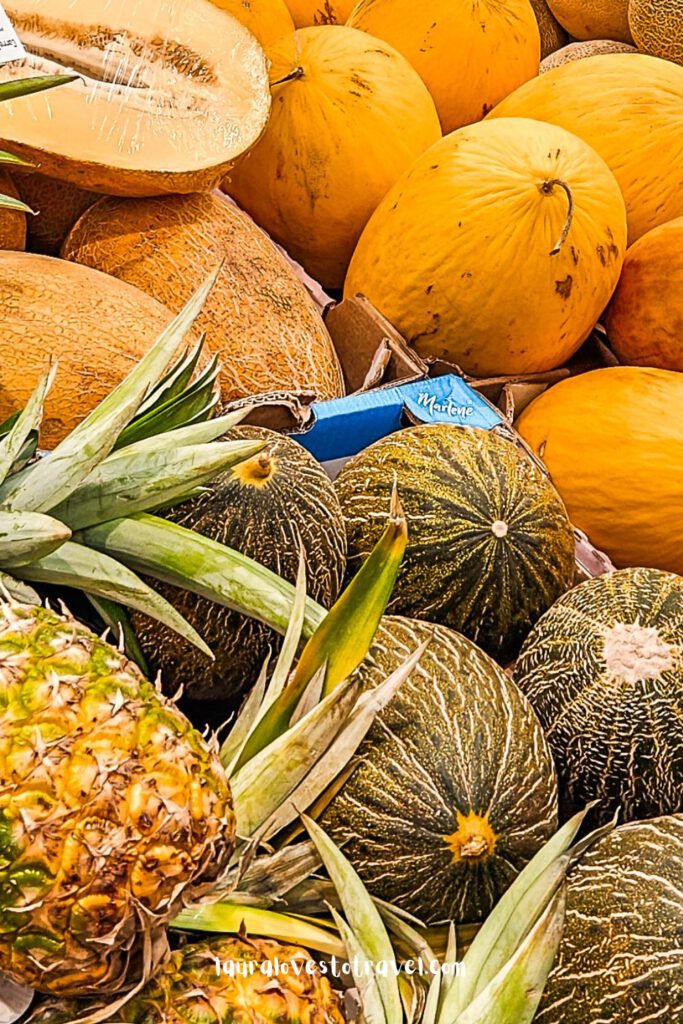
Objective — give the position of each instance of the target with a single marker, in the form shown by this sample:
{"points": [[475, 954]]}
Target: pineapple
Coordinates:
{"points": [[113, 810]]}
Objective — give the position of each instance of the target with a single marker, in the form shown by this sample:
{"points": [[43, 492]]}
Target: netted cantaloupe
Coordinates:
{"points": [[320, 12], [553, 36], [603, 669], [169, 93], [578, 51], [619, 960], [657, 27], [269, 508], [644, 320], [57, 206], [12, 222], [612, 440], [454, 788], [268, 20], [259, 318], [629, 108], [470, 55], [349, 117], [96, 327], [593, 19], [490, 546], [499, 248]]}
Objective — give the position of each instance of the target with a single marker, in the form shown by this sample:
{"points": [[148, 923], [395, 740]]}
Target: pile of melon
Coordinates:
{"points": [[503, 182]]}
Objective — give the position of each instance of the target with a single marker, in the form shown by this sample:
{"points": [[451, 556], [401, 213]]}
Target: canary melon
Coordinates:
{"points": [[96, 327], [57, 206], [657, 27], [603, 669], [470, 55], [454, 787], [12, 222], [619, 960], [553, 36], [612, 440], [259, 318], [270, 508], [593, 19], [268, 20], [349, 117], [577, 51], [644, 320], [320, 12], [490, 546], [629, 108], [169, 93], [441, 257]]}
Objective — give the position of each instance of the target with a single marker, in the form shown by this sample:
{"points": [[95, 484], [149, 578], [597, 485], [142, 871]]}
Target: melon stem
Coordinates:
{"points": [[298, 72], [547, 188]]}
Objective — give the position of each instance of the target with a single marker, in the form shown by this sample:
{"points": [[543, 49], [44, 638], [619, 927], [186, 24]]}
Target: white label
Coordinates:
{"points": [[11, 46]]}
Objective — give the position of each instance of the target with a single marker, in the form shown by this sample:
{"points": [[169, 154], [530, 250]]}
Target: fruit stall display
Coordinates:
{"points": [[259, 715]]}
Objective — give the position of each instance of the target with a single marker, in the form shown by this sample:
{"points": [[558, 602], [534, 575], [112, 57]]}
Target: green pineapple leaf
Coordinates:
{"points": [[58, 475], [248, 714], [115, 616], [10, 203], [12, 158], [24, 424], [27, 86], [27, 536]]}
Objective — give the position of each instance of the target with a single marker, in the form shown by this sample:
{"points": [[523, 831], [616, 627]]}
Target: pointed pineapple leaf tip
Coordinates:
{"points": [[396, 512]]}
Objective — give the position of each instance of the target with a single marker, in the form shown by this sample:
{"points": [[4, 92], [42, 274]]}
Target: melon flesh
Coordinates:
{"points": [[171, 93]]}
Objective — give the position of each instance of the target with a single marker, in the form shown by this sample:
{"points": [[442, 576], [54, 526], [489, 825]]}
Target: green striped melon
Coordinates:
{"points": [[266, 508], [621, 954], [490, 546], [604, 672], [454, 789]]}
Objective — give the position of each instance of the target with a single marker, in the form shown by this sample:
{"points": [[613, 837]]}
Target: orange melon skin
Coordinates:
{"points": [[593, 19], [469, 53], [57, 205], [629, 108], [259, 319], [612, 440], [340, 133], [96, 327], [459, 258], [12, 222], [644, 320], [320, 12], [657, 27], [268, 20]]}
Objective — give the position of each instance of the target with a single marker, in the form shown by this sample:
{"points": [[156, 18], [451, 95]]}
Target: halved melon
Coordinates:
{"points": [[171, 93]]}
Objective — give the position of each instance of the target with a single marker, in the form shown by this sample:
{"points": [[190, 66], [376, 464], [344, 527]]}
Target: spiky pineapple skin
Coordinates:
{"points": [[114, 811], [190, 990]]}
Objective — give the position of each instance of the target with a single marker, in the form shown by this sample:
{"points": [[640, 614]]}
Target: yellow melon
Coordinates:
{"points": [[645, 317], [57, 206], [12, 222], [657, 27], [613, 442], [259, 318], [593, 19], [579, 51], [170, 93], [629, 107], [553, 36], [320, 12], [470, 53], [498, 249], [268, 20], [349, 116], [96, 327]]}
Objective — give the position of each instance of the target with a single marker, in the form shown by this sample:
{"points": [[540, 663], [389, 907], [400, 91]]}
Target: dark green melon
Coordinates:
{"points": [[490, 546], [454, 789], [263, 508], [604, 671], [621, 955]]}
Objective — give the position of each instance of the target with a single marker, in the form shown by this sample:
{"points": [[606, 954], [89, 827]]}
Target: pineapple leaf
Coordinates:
{"points": [[186, 559], [248, 714], [27, 421], [364, 919], [73, 565], [292, 638], [27, 536], [432, 1004], [229, 918], [12, 158], [17, 590], [27, 86], [116, 617], [58, 475], [131, 481], [367, 982], [345, 635], [512, 997], [10, 203], [189, 434]]}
